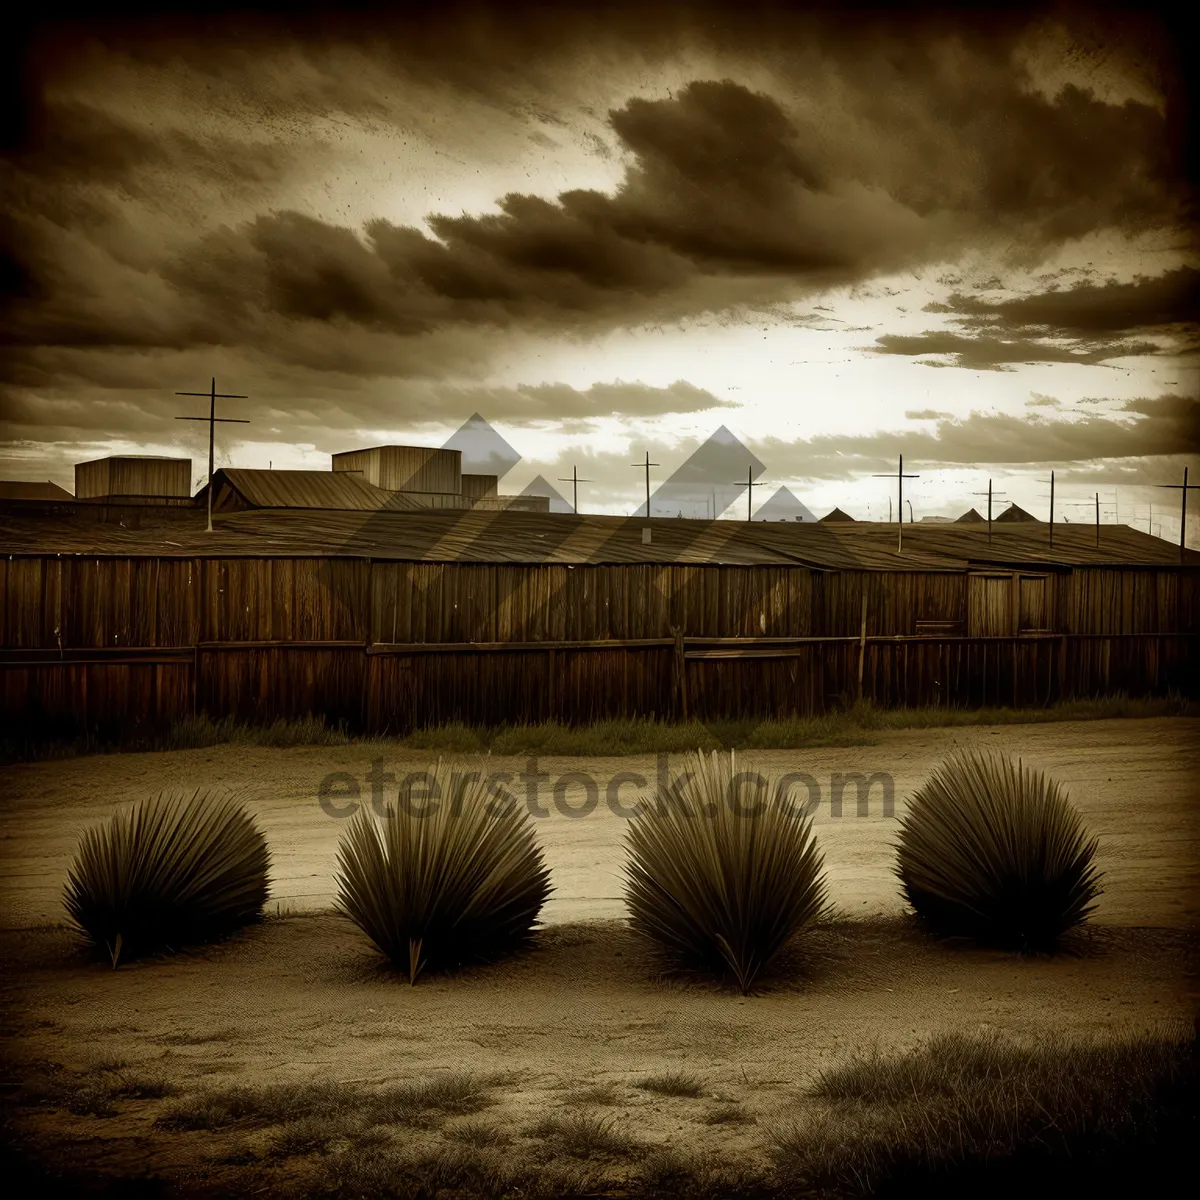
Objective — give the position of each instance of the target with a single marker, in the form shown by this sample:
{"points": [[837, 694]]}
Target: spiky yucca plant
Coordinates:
{"points": [[994, 851], [440, 882], [175, 869], [722, 877]]}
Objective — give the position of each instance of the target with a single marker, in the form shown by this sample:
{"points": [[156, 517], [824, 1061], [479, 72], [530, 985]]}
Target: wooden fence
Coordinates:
{"points": [[111, 642]]}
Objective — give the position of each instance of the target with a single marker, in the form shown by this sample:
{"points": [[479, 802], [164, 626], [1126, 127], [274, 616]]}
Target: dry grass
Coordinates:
{"points": [[672, 1083], [443, 882], [342, 1107], [94, 1091], [993, 851], [851, 727], [721, 876], [585, 1135], [960, 1102], [170, 871]]}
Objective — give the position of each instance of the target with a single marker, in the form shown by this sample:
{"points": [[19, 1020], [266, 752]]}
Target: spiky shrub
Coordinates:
{"points": [[172, 870], [994, 851], [721, 871], [449, 875]]}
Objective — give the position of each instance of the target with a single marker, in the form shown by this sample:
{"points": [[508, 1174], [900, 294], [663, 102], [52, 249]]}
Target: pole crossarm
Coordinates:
{"points": [[1183, 489], [213, 421], [751, 484], [646, 467], [989, 494], [899, 476], [575, 481]]}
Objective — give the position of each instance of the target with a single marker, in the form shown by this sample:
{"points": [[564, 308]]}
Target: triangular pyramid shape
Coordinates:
{"points": [[484, 451], [784, 506], [541, 487], [836, 515], [1015, 513], [970, 517], [708, 482]]}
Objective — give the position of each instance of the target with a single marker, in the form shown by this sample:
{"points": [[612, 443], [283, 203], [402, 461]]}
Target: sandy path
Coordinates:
{"points": [[1137, 782]]}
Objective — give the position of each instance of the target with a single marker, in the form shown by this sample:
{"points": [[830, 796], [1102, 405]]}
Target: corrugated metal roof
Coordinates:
{"points": [[21, 489], [430, 535]]}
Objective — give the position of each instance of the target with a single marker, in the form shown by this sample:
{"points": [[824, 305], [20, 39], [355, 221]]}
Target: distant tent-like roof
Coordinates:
{"points": [[1015, 513], [970, 517], [836, 515]]}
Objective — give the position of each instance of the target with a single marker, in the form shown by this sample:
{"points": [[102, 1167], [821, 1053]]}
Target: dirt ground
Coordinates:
{"points": [[1136, 782], [576, 1024], [580, 1021]]}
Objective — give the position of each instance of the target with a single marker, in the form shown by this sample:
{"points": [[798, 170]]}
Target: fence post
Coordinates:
{"points": [[680, 670], [862, 637]]}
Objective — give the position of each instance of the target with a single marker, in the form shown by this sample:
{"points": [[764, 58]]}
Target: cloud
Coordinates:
{"points": [[892, 154], [1037, 400], [1089, 309], [987, 353], [926, 414], [558, 402], [1160, 426]]}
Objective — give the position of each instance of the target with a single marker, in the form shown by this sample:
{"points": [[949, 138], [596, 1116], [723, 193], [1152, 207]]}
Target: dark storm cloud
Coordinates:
{"points": [[1087, 310], [1159, 426], [910, 148], [990, 353]]}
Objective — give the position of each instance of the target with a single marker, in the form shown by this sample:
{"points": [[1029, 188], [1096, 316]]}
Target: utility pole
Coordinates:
{"points": [[212, 419], [647, 465], [575, 481], [911, 518], [1097, 520], [1051, 507], [750, 483], [1183, 489], [989, 493], [899, 477]]}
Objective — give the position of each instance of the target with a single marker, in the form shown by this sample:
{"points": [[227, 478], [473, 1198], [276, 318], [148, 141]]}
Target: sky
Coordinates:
{"points": [[970, 241]]}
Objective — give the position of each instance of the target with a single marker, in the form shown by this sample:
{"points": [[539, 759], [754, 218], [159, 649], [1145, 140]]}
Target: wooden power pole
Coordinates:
{"points": [[575, 481], [899, 477], [646, 465], [989, 494], [212, 419], [751, 482], [1184, 488]]}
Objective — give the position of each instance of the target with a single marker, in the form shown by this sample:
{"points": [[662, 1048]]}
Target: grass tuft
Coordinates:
{"points": [[721, 875], [446, 878], [585, 1135], [672, 1083], [170, 871], [993, 851], [481, 1134], [428, 1101], [270, 1104]]}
